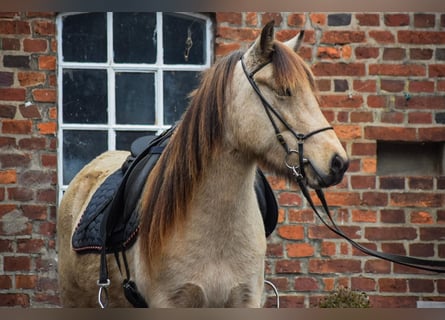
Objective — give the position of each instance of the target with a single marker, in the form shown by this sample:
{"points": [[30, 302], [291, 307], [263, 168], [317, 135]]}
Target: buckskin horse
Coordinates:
{"points": [[201, 240]]}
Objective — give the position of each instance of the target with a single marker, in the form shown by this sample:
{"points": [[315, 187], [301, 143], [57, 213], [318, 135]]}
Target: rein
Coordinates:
{"points": [[299, 173]]}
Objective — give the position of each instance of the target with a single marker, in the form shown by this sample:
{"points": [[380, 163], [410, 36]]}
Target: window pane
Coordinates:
{"points": [[84, 37], [134, 37], [135, 98], [177, 28], [125, 138], [177, 87], [79, 148], [84, 96]]}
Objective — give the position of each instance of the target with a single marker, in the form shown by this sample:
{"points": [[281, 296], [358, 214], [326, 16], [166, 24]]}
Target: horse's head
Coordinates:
{"points": [[275, 115]]}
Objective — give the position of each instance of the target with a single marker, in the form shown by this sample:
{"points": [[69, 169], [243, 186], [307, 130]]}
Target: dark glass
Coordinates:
{"points": [[177, 87], [79, 148], [134, 37], [85, 96], [176, 29], [135, 98], [84, 37], [124, 139]]}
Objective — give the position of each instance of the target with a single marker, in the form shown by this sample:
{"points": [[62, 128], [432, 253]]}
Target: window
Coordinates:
{"points": [[410, 158], [121, 76]]}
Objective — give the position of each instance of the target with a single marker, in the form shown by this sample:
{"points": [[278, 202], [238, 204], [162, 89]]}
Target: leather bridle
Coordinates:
{"points": [[297, 170], [299, 173]]}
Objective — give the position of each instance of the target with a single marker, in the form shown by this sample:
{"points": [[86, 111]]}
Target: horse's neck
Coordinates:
{"points": [[227, 188]]}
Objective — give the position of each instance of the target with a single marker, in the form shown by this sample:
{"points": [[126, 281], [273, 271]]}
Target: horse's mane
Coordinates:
{"points": [[165, 200], [166, 196]]}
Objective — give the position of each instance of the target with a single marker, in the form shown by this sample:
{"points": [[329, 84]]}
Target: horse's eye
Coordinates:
{"points": [[287, 92]]}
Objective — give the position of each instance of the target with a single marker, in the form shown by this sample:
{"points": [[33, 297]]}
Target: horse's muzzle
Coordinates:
{"points": [[338, 167]]}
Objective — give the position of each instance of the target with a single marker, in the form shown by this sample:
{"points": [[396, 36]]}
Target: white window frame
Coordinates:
{"points": [[111, 67]]}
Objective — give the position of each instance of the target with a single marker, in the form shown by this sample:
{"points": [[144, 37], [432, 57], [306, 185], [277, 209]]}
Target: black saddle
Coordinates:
{"points": [[110, 218]]}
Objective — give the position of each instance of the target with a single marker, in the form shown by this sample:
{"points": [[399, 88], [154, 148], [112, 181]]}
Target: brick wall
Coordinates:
{"points": [[28, 144], [381, 77]]}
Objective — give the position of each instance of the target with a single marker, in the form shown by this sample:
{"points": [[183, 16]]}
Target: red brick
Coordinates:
{"points": [[30, 245], [424, 183], [367, 19], [392, 85], [396, 20], [44, 28], [237, 34], [338, 69], [405, 70], [31, 78], [47, 128], [422, 20], [229, 17], [420, 285], [222, 49], [299, 250], [347, 132], [12, 94], [286, 34], [421, 86], [44, 95], [17, 126], [390, 233], [252, 18], [25, 281], [287, 266], [411, 199], [363, 182], [47, 62], [328, 53], [318, 18], [321, 232], [291, 232], [392, 117], [366, 52], [363, 284], [374, 198], [10, 44], [420, 117], [35, 45], [376, 101], [384, 301], [390, 133], [274, 250], [5, 282], [421, 37], [289, 199], [392, 216], [436, 70], [377, 266], [431, 134], [306, 284], [8, 176], [421, 102], [17, 263], [341, 101], [343, 37], [269, 16], [301, 216], [420, 54], [394, 53], [392, 285], [30, 112], [382, 36], [363, 116], [14, 299], [364, 216], [296, 20], [364, 85], [334, 266], [327, 248], [325, 85], [421, 217], [421, 249]]}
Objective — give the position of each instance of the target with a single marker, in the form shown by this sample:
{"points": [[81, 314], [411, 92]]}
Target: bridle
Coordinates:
{"points": [[297, 170], [299, 173]]}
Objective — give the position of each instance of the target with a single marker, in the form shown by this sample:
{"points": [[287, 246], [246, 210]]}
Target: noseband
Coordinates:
{"points": [[297, 170]]}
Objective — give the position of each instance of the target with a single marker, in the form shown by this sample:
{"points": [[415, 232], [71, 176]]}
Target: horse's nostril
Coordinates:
{"points": [[339, 165]]}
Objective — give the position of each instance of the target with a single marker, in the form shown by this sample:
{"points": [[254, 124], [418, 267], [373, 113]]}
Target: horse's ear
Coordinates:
{"points": [[266, 39], [296, 41]]}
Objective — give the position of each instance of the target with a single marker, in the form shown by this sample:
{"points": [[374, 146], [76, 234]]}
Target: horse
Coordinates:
{"points": [[201, 239]]}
